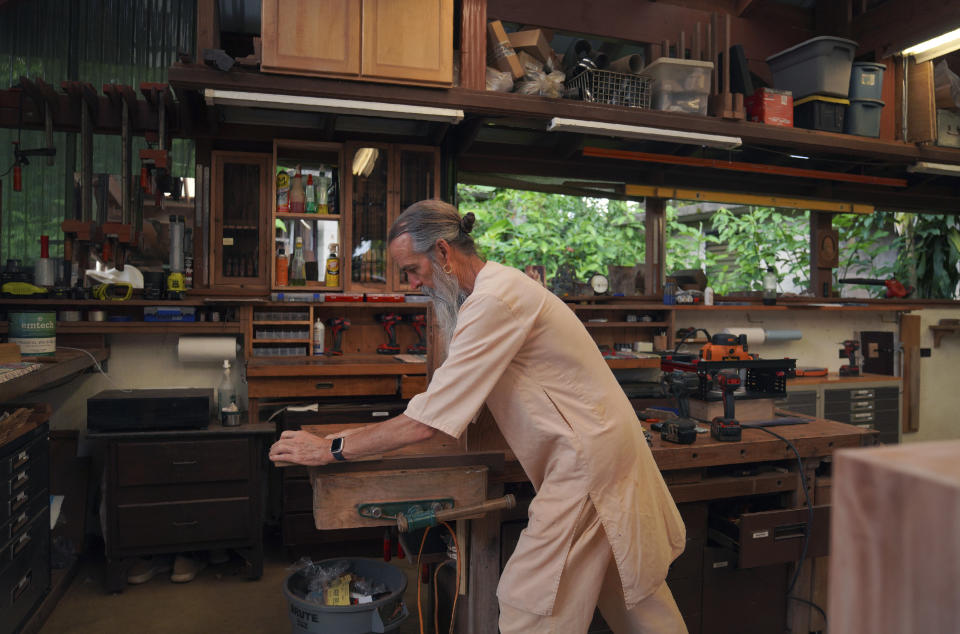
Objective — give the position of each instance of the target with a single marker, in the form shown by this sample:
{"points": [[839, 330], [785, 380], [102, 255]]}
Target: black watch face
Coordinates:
{"points": [[337, 445]]}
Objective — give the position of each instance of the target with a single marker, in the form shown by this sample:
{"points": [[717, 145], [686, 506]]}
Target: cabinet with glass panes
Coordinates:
{"points": [[383, 180], [309, 211]]}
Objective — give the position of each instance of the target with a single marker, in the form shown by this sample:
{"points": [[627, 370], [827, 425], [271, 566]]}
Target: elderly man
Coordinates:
{"points": [[603, 528]]}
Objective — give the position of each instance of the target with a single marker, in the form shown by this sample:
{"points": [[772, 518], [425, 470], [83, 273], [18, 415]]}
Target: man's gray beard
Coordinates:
{"points": [[447, 298]]}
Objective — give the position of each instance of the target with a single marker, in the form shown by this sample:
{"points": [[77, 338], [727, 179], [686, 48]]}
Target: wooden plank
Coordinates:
{"points": [[655, 236], [336, 496], [347, 365], [473, 44], [9, 353], [60, 366], [821, 278], [208, 26], [728, 487], [921, 103], [410, 385], [910, 339], [894, 546], [482, 609], [747, 199]]}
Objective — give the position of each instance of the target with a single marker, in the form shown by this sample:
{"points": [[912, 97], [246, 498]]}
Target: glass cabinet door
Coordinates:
{"points": [[417, 175], [369, 199], [239, 194]]}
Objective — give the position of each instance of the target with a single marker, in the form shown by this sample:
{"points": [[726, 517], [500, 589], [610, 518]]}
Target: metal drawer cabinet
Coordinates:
{"points": [[800, 401]]}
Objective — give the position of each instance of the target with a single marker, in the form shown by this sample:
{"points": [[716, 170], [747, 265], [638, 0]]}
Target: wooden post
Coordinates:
{"points": [[483, 609], [208, 27], [473, 44], [655, 237], [821, 277], [910, 338]]}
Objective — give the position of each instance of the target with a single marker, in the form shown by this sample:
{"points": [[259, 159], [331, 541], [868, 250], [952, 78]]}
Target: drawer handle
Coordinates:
{"points": [[863, 416], [379, 414], [184, 524], [324, 386], [862, 393], [20, 479], [181, 463], [21, 543], [861, 405], [789, 531], [21, 499], [22, 458], [21, 586], [20, 523]]}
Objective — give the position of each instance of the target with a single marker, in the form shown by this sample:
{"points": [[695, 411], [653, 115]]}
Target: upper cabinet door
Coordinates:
{"points": [[408, 40], [311, 36]]}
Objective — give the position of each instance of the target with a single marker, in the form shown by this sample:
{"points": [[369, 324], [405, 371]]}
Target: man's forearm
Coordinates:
{"points": [[389, 435]]}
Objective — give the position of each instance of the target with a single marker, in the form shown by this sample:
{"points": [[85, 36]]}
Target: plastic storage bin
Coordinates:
{"points": [[819, 66], [818, 112], [863, 117], [680, 85], [866, 81]]}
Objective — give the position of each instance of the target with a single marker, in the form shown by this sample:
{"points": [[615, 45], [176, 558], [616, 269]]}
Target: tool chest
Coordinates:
{"points": [[24, 527], [866, 406]]}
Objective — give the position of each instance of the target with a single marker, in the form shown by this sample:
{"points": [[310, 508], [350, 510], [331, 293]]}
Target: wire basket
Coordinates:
{"points": [[607, 86]]}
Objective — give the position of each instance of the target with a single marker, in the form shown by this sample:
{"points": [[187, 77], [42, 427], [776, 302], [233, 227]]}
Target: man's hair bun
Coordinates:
{"points": [[467, 222]]}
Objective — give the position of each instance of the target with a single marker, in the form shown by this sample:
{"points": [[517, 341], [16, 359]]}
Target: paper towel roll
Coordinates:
{"points": [[755, 336], [206, 349]]}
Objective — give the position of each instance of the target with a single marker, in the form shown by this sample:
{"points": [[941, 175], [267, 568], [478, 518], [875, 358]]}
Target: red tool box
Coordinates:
{"points": [[770, 106]]}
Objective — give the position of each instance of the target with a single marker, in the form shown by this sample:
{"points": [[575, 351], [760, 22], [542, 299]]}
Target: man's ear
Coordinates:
{"points": [[443, 249]]}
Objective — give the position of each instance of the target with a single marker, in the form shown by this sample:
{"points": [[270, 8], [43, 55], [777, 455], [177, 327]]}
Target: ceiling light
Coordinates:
{"points": [[944, 169], [338, 106], [558, 124], [800, 156], [935, 47]]}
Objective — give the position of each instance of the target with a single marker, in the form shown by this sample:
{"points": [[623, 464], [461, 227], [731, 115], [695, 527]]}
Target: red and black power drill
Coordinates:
{"points": [[337, 326], [389, 321], [727, 427], [419, 323], [850, 348]]}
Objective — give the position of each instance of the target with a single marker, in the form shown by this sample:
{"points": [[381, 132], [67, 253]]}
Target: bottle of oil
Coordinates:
{"points": [[333, 267], [283, 269], [298, 272]]}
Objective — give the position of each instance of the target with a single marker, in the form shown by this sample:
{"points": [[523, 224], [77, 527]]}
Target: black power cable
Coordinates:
{"points": [[806, 533]]}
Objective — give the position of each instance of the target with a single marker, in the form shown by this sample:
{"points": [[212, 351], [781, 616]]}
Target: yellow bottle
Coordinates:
{"points": [[333, 267]]}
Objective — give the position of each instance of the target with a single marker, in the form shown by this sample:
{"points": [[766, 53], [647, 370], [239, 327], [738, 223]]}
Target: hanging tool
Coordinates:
{"points": [[849, 352], [123, 235], [389, 321], [80, 234], [894, 287], [155, 164], [419, 323], [337, 326], [44, 100], [116, 292], [727, 427]]}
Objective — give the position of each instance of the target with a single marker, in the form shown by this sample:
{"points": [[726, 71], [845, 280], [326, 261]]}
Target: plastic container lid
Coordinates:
{"points": [[809, 42], [868, 102], [869, 65], [844, 102], [674, 61]]}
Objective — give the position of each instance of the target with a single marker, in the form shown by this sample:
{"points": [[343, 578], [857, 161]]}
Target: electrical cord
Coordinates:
{"points": [[806, 534], [423, 541], [691, 332], [436, 597], [97, 365], [456, 589]]}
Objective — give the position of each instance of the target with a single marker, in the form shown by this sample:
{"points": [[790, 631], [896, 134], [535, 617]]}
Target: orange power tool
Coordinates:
{"points": [[726, 347]]}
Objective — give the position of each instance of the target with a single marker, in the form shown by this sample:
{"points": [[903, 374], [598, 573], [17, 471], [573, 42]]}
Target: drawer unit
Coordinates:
{"points": [[871, 407], [800, 401], [770, 537], [356, 411], [24, 527], [321, 386], [197, 491]]}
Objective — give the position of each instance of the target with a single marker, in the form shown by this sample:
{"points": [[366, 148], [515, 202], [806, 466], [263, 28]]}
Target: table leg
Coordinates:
{"points": [[483, 610]]}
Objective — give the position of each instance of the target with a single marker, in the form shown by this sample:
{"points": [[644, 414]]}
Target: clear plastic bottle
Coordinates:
{"points": [[298, 271], [297, 194], [226, 393], [310, 196], [770, 286], [318, 333]]}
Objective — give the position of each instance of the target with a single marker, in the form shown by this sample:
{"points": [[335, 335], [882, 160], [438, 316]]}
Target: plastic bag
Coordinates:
{"points": [[947, 86], [318, 576], [499, 81], [539, 83]]}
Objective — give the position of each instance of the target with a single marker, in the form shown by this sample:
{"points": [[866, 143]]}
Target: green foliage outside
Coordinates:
{"points": [[523, 227]]}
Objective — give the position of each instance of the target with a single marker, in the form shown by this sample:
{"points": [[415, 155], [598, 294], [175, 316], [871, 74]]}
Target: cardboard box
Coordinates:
{"points": [[500, 53], [746, 410], [948, 128], [533, 42], [770, 106], [921, 104]]}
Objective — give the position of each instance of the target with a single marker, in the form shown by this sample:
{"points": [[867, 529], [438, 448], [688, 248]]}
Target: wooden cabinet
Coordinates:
{"points": [[401, 41], [240, 219], [384, 180], [170, 492]]}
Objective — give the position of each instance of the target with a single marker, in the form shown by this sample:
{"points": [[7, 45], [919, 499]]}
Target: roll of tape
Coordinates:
{"points": [[96, 315], [69, 315]]}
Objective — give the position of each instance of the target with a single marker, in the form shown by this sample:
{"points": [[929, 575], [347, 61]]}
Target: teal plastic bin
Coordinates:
{"points": [[866, 80], [863, 117]]}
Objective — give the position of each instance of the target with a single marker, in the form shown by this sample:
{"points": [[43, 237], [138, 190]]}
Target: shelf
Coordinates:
{"points": [[96, 303], [142, 327], [281, 323], [310, 216], [60, 366], [355, 364], [626, 324], [308, 288], [281, 341], [945, 327], [240, 227]]}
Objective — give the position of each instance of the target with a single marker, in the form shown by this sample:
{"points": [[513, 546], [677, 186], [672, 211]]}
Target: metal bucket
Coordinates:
{"points": [[35, 332], [382, 615]]}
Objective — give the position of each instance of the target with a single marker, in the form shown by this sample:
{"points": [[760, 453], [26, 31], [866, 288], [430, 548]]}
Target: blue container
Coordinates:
{"points": [[863, 117], [866, 80]]}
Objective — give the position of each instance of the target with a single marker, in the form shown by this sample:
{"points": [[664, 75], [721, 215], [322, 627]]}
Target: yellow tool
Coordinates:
{"points": [[176, 286], [116, 292], [20, 289]]}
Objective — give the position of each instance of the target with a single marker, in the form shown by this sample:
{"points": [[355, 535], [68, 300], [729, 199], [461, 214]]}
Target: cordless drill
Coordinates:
{"points": [[850, 348], [726, 427], [337, 326], [419, 323], [389, 321], [683, 430]]}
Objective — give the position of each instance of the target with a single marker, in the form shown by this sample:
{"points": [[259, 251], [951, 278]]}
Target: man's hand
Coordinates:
{"points": [[303, 448]]}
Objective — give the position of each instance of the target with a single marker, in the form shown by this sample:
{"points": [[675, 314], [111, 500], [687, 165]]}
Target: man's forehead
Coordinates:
{"points": [[402, 249]]}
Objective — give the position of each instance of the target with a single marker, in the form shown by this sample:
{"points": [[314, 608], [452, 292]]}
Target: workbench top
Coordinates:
{"points": [[834, 378], [347, 365]]}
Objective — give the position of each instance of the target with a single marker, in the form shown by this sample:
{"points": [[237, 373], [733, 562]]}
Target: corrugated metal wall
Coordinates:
{"points": [[96, 41]]}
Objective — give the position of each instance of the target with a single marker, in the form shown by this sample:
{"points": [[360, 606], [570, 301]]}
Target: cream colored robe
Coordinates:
{"points": [[521, 350]]}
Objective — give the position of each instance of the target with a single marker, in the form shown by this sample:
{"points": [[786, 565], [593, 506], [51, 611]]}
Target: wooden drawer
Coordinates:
{"points": [[772, 537], [181, 462], [270, 387], [411, 385], [159, 525]]}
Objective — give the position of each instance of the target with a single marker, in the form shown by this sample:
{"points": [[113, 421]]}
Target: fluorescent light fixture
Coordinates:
{"points": [[800, 156], [935, 47], [559, 124], [943, 169], [338, 106]]}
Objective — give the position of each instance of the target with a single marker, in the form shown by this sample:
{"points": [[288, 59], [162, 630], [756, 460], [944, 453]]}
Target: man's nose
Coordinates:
{"points": [[415, 281]]}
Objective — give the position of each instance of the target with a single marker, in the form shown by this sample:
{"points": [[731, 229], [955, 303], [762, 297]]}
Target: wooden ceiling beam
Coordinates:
{"points": [[897, 24]]}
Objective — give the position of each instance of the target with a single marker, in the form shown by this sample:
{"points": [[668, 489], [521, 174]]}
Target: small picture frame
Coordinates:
{"points": [[536, 272]]}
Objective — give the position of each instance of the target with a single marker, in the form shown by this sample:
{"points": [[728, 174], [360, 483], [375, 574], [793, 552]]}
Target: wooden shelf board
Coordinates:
{"points": [[280, 323], [939, 331], [281, 341], [96, 303], [630, 364], [142, 327], [310, 216], [626, 324], [346, 365], [63, 364], [310, 287]]}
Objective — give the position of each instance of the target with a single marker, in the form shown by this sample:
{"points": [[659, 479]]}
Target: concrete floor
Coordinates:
{"points": [[220, 599]]}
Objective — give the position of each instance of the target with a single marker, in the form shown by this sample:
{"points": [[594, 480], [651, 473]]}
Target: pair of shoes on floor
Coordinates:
{"points": [[186, 568], [143, 570]]}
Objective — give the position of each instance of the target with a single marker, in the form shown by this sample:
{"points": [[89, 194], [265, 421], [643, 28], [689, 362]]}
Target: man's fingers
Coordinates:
{"points": [[288, 434]]}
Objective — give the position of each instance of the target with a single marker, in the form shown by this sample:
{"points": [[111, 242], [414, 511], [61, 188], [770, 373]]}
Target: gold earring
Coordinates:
{"points": [[447, 268]]}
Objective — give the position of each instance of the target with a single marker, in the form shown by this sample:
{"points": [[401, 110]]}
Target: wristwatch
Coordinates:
{"points": [[336, 448]]}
